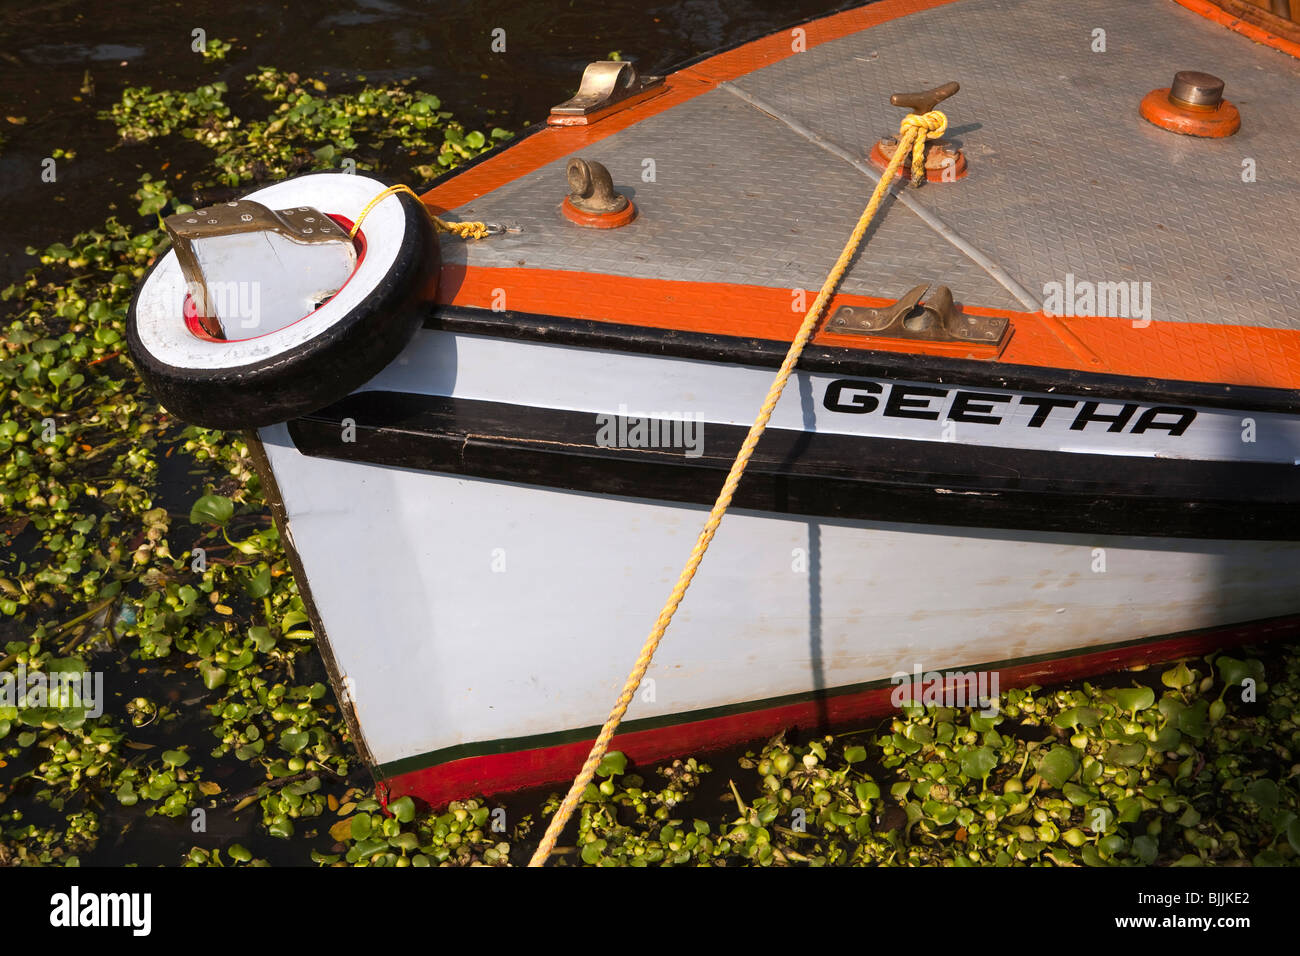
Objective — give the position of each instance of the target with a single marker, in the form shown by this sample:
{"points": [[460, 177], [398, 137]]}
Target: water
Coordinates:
{"points": [[47, 50]]}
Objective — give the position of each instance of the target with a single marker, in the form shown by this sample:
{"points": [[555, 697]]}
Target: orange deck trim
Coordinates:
{"points": [[1238, 25], [553, 142], [1176, 351]]}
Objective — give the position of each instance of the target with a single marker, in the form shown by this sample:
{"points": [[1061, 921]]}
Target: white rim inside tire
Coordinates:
{"points": [[159, 311]]}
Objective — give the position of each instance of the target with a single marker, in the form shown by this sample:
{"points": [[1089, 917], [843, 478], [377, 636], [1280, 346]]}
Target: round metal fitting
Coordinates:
{"points": [[592, 200], [1196, 90], [944, 163], [1193, 106]]}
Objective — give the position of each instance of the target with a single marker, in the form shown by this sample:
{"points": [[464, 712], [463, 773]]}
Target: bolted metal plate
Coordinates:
{"points": [[301, 224]]}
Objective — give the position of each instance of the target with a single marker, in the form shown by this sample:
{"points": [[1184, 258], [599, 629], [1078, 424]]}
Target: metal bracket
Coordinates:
{"points": [[935, 320], [605, 83], [260, 268]]}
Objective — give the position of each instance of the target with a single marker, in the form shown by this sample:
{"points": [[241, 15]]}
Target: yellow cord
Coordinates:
{"points": [[466, 230], [913, 133]]}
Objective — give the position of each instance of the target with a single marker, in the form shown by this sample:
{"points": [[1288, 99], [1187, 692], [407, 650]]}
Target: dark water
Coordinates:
{"points": [[46, 49]]}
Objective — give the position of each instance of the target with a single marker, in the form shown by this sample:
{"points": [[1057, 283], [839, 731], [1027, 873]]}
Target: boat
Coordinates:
{"points": [[1049, 425]]}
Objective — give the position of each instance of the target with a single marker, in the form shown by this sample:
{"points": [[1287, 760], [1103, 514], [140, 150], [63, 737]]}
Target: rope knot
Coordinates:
{"points": [[922, 126], [465, 230]]}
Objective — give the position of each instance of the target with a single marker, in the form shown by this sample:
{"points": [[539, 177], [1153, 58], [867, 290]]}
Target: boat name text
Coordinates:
{"points": [[897, 400]]}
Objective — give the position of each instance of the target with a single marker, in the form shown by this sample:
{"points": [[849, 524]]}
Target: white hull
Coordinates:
{"points": [[463, 610]]}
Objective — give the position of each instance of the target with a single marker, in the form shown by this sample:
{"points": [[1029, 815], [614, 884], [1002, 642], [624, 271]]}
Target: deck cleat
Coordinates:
{"points": [[938, 319], [944, 162], [592, 200], [1193, 105], [607, 86]]}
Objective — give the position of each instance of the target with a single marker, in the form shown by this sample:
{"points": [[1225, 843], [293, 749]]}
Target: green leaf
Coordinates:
{"points": [[175, 758], [361, 825], [294, 740], [1057, 766], [405, 841], [262, 638], [941, 813], [1168, 738], [1263, 792], [612, 764], [368, 848], [1077, 795], [403, 809], [1125, 755], [1134, 699], [213, 676], [1145, 849], [260, 584], [1231, 670], [1191, 720], [1077, 717], [291, 620], [1128, 810], [855, 754], [212, 509], [977, 763]]}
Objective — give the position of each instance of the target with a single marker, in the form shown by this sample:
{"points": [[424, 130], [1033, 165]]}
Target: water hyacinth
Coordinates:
{"points": [[181, 580]]}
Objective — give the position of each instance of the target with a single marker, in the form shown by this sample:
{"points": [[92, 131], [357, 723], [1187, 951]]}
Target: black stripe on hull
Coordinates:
{"points": [[823, 475]]}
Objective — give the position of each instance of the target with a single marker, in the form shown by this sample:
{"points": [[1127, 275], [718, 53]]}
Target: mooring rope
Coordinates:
{"points": [[466, 230], [912, 134]]}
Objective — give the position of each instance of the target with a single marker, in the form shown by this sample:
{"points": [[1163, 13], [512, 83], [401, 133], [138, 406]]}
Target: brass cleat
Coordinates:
{"points": [[607, 86], [944, 163], [936, 320]]}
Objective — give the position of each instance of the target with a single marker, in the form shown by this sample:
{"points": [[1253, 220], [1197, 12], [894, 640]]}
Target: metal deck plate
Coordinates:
{"points": [[1065, 177], [737, 198]]}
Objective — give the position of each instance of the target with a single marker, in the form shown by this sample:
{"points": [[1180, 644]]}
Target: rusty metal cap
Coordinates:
{"points": [[1196, 90]]}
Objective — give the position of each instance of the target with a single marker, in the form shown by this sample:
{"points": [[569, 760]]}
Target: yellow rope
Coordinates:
{"points": [[466, 230], [912, 134]]}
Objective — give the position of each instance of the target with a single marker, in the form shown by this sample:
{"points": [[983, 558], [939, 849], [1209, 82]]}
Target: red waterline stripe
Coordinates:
{"points": [[501, 773]]}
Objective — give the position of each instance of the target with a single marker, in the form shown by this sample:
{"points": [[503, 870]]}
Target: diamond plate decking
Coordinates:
{"points": [[1065, 177]]}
